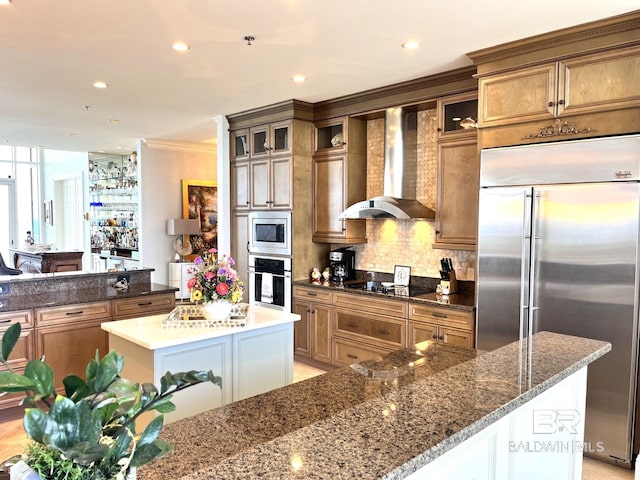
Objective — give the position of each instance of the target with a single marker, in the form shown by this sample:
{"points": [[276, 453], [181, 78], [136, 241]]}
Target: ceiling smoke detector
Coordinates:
{"points": [[249, 39]]}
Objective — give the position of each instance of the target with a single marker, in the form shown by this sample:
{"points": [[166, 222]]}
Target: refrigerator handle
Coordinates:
{"points": [[535, 236], [525, 263]]}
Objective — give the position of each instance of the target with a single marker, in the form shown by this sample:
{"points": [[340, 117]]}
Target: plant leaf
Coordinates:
{"points": [[41, 374], [107, 372], [75, 388], [164, 406], [12, 382], [37, 424], [151, 431], [149, 452], [9, 340]]}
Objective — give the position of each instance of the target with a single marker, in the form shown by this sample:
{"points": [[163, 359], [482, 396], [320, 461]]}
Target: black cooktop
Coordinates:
{"points": [[389, 289]]}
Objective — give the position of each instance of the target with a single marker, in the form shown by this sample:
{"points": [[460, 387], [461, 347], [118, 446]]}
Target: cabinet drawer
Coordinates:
{"points": [[24, 317], [368, 303], [143, 305], [370, 328], [315, 294], [346, 352], [442, 315], [22, 351], [73, 313]]}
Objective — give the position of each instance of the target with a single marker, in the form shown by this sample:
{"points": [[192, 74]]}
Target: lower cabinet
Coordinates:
{"points": [[444, 325], [312, 333], [22, 351], [143, 306]]}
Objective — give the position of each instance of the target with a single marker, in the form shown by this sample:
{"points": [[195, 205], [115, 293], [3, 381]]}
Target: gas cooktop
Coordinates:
{"points": [[388, 288]]}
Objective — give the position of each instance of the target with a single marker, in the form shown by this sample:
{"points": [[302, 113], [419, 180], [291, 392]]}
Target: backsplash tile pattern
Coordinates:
{"points": [[407, 242]]}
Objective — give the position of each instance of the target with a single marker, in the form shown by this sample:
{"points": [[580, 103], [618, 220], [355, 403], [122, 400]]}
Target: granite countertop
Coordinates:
{"points": [[54, 298], [379, 419], [461, 301]]}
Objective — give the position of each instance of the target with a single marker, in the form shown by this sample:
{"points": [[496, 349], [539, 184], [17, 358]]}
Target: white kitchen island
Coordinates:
{"points": [[251, 359]]}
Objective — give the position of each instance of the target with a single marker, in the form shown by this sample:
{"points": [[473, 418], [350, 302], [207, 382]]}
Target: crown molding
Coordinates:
{"points": [[180, 146]]}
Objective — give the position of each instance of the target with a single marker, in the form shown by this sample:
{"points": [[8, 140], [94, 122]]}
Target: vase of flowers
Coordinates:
{"points": [[215, 284]]}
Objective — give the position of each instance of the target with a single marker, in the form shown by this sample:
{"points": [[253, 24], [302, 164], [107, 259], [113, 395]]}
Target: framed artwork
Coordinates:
{"points": [[200, 200], [48, 212], [401, 275]]}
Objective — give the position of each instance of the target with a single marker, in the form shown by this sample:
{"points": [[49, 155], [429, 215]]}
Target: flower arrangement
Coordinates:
{"points": [[215, 278]]}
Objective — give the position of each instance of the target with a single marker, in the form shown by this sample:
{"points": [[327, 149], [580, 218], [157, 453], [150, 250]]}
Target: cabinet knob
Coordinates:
{"points": [[561, 102], [434, 336], [438, 129], [551, 104], [441, 337]]}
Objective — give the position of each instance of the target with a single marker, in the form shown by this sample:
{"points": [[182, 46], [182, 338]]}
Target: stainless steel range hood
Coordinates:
{"points": [[400, 173]]}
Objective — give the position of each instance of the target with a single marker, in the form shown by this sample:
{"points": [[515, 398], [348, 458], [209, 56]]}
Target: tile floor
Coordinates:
{"points": [[12, 437]]}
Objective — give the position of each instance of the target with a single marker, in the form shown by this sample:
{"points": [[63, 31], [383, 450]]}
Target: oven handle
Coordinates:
{"points": [[286, 274]]}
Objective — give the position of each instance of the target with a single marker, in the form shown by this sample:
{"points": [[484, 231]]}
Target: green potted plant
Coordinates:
{"points": [[90, 431]]}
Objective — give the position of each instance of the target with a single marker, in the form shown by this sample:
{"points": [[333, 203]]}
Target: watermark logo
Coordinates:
{"points": [[568, 446], [549, 421]]}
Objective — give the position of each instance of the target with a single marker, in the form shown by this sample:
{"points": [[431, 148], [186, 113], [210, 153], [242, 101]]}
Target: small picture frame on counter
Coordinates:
{"points": [[401, 275]]}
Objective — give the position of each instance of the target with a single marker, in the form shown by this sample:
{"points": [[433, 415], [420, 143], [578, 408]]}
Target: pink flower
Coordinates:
{"points": [[212, 250], [222, 289], [191, 283], [209, 275], [198, 260]]}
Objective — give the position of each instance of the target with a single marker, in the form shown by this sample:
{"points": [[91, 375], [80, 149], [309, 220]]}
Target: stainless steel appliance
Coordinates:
{"points": [[558, 250], [270, 232], [270, 282], [342, 263]]}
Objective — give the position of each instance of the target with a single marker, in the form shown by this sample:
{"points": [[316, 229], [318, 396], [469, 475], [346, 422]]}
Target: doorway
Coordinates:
{"points": [[68, 207], [7, 217]]}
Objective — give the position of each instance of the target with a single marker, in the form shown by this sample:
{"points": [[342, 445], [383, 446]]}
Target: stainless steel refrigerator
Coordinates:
{"points": [[558, 250]]}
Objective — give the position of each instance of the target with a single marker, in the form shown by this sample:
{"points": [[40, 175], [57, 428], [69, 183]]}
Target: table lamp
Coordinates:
{"points": [[181, 227]]}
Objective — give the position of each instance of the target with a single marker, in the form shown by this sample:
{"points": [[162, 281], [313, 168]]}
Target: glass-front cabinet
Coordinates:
{"points": [[458, 114], [272, 139], [114, 204]]}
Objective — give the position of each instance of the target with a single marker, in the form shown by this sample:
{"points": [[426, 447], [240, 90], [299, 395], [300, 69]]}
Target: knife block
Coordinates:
{"points": [[451, 285]]}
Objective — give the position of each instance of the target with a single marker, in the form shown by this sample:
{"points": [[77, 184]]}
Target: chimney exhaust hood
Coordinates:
{"points": [[400, 173]]}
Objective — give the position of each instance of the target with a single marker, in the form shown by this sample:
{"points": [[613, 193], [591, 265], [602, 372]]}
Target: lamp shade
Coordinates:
{"points": [[181, 226]]}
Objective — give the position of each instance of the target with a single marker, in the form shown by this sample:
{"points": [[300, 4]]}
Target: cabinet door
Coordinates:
{"points": [[281, 183], [239, 145], [331, 135], [260, 184], [599, 82], [301, 331], [259, 141], [517, 97], [240, 245], [321, 332], [240, 185], [280, 138], [453, 336], [143, 305], [329, 187], [68, 347], [457, 199], [452, 110], [347, 352], [422, 332]]}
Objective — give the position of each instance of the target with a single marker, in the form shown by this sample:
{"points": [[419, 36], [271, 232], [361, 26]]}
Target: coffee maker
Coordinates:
{"points": [[342, 263]]}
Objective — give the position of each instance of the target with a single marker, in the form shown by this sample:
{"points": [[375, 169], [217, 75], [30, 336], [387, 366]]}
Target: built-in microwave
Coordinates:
{"points": [[270, 232]]}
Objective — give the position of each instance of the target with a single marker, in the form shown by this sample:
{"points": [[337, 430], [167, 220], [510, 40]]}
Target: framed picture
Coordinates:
{"points": [[48, 212], [401, 275], [200, 200]]}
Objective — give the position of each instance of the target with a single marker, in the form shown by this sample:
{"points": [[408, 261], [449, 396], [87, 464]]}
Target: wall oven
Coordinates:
{"points": [[270, 282], [270, 233]]}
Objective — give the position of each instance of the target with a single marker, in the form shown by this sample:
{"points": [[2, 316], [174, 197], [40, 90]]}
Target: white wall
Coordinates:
{"points": [[162, 166]]}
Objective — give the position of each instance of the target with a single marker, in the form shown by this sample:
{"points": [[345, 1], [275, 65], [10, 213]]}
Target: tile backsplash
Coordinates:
{"points": [[407, 242]]}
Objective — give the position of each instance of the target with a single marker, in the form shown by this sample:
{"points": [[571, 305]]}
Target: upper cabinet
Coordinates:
{"points": [[582, 85], [272, 139], [339, 179], [457, 115]]}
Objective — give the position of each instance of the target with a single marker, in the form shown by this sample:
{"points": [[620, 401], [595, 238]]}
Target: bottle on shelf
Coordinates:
{"points": [[29, 240]]}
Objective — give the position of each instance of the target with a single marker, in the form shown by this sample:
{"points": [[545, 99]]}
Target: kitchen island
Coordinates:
{"points": [[252, 355], [433, 411]]}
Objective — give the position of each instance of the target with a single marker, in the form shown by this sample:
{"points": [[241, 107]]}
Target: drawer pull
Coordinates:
{"points": [[384, 332], [438, 315], [5, 321], [312, 294], [144, 304], [351, 355], [352, 325], [77, 312]]}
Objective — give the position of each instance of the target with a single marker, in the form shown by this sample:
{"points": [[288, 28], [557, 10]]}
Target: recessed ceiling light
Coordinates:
{"points": [[411, 44], [100, 85], [181, 47], [5, 2], [118, 148], [113, 120], [299, 78], [72, 134]]}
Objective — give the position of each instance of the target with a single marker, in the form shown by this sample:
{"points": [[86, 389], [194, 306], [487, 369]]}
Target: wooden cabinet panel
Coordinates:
{"points": [[458, 338], [301, 328], [368, 303], [368, 327], [24, 317], [347, 352], [239, 145], [322, 334], [329, 188], [143, 305], [442, 315], [457, 199], [445, 325], [315, 294], [241, 184], [73, 313], [260, 185], [22, 352], [422, 332], [240, 244], [281, 183], [313, 333]]}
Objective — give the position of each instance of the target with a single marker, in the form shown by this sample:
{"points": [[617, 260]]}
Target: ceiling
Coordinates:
{"points": [[51, 53]]}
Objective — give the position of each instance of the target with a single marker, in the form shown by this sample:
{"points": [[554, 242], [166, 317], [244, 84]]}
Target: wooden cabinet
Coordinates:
{"points": [[445, 325], [457, 199], [339, 179], [69, 336], [241, 181], [22, 352], [575, 97], [270, 139], [240, 245], [457, 115], [143, 305], [312, 334], [239, 145], [270, 184]]}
